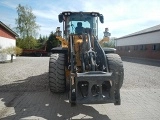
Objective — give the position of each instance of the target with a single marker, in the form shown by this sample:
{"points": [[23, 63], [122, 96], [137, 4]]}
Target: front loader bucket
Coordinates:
{"points": [[97, 87]]}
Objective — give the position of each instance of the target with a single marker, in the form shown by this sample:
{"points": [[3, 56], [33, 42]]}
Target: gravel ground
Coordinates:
{"points": [[24, 74], [141, 73], [24, 93], [31, 73]]}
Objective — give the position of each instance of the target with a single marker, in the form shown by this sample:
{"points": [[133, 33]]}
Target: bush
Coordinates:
{"points": [[12, 50], [18, 51]]}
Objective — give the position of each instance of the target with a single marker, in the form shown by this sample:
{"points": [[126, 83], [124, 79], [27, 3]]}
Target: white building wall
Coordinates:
{"points": [[149, 38], [4, 43]]}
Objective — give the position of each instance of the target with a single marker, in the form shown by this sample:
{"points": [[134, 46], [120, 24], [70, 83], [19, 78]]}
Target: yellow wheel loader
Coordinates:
{"points": [[95, 75]]}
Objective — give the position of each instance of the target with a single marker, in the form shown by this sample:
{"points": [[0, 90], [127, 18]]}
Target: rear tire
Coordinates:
{"points": [[115, 65], [57, 73]]}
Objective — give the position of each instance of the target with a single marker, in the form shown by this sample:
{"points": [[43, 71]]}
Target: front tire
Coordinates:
{"points": [[116, 66], [57, 73]]}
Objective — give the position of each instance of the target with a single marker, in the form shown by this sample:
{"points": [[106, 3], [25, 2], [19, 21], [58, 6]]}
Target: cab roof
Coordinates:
{"points": [[81, 12]]}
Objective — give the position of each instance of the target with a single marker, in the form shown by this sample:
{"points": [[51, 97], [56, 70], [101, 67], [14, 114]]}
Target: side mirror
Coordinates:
{"points": [[106, 33], [101, 18], [60, 17], [58, 32]]}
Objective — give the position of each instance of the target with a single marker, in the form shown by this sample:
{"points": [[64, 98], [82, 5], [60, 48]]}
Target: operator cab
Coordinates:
{"points": [[80, 22]]}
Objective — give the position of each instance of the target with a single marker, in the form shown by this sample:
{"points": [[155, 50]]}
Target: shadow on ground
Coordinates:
{"points": [[31, 99], [142, 61]]}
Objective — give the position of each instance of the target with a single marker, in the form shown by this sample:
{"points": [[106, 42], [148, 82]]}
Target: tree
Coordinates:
{"points": [[26, 24], [43, 39], [27, 43], [52, 42], [42, 42]]}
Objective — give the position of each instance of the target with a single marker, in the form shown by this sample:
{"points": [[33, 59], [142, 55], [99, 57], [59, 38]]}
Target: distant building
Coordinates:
{"points": [[7, 39], [142, 44]]}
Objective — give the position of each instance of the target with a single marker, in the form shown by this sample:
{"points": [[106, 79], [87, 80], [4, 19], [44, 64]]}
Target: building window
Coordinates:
{"points": [[135, 47], [156, 47], [126, 47], [142, 47]]}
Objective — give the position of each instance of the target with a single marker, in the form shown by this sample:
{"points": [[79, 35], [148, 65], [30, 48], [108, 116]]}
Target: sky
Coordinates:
{"points": [[122, 17]]}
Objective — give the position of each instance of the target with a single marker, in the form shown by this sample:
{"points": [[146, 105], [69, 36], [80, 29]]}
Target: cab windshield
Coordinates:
{"points": [[76, 23]]}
